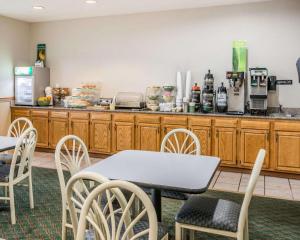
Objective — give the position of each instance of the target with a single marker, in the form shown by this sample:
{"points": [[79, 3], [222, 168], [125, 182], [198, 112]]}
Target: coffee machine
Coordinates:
{"points": [[258, 91], [236, 93]]}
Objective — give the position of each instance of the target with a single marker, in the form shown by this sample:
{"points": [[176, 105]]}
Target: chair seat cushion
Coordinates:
{"points": [[4, 172], [210, 213], [7, 158], [170, 194], [142, 225]]}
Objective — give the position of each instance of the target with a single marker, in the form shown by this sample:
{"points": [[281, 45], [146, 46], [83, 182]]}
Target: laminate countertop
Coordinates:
{"points": [[289, 115]]}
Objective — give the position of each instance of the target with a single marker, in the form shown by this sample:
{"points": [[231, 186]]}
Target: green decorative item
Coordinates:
{"points": [[41, 55], [240, 56]]}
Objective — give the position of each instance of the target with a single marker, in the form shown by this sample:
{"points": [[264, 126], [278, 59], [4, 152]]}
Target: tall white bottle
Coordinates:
{"points": [[188, 85]]}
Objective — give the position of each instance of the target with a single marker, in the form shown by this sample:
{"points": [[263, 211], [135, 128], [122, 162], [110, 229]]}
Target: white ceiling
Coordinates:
{"points": [[72, 9]]}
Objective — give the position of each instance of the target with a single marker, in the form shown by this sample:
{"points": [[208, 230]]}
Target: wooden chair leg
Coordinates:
{"points": [[5, 193], [178, 232], [63, 225], [192, 235], [30, 192], [246, 230], [12, 204]]}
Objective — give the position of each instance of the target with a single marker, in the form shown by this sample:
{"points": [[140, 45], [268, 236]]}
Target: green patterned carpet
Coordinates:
{"points": [[270, 219]]}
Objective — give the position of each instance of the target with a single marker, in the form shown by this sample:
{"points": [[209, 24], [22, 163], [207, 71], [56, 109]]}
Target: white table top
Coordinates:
{"points": [[169, 171], [7, 143]]}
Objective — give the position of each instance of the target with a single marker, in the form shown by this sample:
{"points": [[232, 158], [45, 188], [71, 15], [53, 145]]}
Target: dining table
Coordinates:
{"points": [[159, 171], [7, 143]]}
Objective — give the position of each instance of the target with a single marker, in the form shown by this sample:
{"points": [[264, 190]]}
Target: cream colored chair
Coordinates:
{"points": [[19, 169], [71, 154], [16, 128], [78, 188], [189, 144], [218, 216], [114, 221]]}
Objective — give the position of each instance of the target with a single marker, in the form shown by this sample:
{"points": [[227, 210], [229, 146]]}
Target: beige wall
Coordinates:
{"points": [[14, 50], [128, 53]]}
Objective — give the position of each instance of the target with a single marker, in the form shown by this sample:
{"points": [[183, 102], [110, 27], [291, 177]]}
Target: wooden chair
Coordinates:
{"points": [[218, 216], [72, 154], [111, 222], [180, 141], [16, 128], [19, 169]]}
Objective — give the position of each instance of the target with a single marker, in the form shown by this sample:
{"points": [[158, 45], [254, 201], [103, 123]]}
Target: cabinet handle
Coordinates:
{"points": [[158, 130], [276, 137], [217, 134], [209, 134]]}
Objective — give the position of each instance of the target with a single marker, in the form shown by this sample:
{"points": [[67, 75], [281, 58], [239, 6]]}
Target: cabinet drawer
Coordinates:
{"points": [[100, 116], [123, 117], [287, 126], [147, 118], [226, 122], [175, 120], [58, 114], [246, 124], [200, 121], [21, 112], [39, 113], [80, 115]]}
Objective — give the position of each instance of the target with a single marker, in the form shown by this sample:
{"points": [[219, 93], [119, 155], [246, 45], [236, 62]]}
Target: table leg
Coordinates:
{"points": [[156, 200]]}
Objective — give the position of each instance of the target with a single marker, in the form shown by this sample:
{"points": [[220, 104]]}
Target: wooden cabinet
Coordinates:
{"points": [[79, 126], [123, 137], [100, 133], [225, 141], [202, 128], [254, 135], [40, 121], [235, 140], [58, 127], [148, 132], [287, 146]]}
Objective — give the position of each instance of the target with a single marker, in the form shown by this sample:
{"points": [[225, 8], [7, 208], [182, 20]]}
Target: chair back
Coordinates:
{"points": [[250, 188], [114, 219], [23, 155], [18, 126], [181, 141], [78, 188], [70, 153]]}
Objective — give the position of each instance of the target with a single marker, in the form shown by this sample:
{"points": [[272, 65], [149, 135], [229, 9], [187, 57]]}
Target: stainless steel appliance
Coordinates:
{"points": [[236, 93], [131, 100], [30, 83], [258, 91]]}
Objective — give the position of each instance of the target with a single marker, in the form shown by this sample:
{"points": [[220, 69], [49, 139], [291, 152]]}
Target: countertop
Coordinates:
{"points": [[282, 116]]}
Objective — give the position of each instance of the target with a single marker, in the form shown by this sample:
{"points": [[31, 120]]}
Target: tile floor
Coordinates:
{"points": [[273, 187]]}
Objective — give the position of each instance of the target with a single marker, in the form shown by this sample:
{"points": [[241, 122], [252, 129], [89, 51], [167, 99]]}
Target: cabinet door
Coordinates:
{"points": [[251, 142], [80, 128], [287, 151], [100, 137], [42, 126], [204, 136], [148, 137], [123, 136], [225, 145], [58, 129], [180, 136]]}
